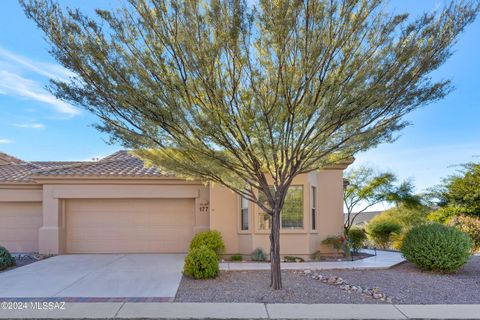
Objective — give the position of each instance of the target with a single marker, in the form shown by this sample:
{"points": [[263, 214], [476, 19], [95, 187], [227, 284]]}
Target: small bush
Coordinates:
{"points": [[437, 247], [337, 242], [397, 240], [6, 259], [236, 257], [357, 238], [211, 239], [380, 231], [201, 263], [442, 215], [259, 255], [470, 225], [293, 259]]}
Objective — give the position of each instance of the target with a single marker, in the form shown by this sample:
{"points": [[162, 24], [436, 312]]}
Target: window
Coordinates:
{"points": [[244, 214], [292, 213], [314, 208]]}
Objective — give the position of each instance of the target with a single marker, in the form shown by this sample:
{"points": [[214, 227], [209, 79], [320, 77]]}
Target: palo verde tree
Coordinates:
{"points": [[366, 188], [245, 96]]}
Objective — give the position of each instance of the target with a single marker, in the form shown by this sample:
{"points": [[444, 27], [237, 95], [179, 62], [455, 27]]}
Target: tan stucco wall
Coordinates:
{"points": [[20, 217], [225, 217]]}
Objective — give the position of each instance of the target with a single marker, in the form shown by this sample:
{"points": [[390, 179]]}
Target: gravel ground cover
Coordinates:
{"points": [[404, 283]]}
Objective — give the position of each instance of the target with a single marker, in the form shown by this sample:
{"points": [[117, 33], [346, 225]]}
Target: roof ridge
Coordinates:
{"points": [[83, 164], [10, 159]]}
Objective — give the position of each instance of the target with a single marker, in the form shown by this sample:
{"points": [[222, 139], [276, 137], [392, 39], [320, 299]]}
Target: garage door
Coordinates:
{"points": [[19, 224], [129, 225]]}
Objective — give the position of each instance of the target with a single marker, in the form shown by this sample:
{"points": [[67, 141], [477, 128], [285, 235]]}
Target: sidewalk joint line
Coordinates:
{"points": [[395, 306], [266, 310], [116, 313]]}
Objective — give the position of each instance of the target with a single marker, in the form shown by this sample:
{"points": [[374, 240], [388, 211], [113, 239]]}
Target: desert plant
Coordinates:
{"points": [[470, 225], [437, 247], [293, 259], [236, 257], [444, 214], [258, 255], [380, 230], [211, 239], [201, 263], [357, 238], [6, 259], [337, 242]]}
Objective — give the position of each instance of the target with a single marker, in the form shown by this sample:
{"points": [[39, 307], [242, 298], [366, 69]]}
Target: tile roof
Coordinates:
{"points": [[119, 164]]}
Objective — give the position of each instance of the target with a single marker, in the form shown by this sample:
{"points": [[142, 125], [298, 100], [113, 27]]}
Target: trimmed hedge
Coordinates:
{"points": [[201, 263], [211, 239], [6, 259], [436, 247]]}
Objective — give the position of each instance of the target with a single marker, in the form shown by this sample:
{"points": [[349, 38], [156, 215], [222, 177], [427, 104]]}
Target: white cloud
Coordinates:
{"points": [[5, 141], [49, 70], [30, 125], [14, 84]]}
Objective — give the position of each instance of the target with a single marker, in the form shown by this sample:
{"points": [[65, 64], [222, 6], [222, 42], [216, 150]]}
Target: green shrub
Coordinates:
{"points": [[408, 217], [211, 239], [201, 263], [437, 247], [357, 238], [380, 230], [337, 242], [236, 257], [6, 259], [470, 225], [442, 215], [293, 259], [259, 255]]}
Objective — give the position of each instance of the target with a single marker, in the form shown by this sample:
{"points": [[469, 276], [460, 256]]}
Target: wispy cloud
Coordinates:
{"points": [[5, 141], [29, 125], [16, 79], [49, 70], [14, 84]]}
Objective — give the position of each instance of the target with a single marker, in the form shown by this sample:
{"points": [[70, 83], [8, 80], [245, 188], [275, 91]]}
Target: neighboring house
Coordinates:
{"points": [[117, 205]]}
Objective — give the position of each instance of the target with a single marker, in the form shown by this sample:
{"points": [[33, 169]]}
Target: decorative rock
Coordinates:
{"points": [[307, 271], [376, 295]]}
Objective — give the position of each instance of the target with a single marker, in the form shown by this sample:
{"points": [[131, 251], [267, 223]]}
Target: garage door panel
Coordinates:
{"points": [[19, 225], [134, 225]]}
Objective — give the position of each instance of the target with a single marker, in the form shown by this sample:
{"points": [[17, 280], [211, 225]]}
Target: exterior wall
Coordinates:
{"points": [[225, 217], [20, 217], [52, 232]]}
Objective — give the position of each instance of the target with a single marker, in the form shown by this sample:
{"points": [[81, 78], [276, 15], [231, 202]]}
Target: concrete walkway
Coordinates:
{"points": [[96, 275], [244, 311], [383, 260]]}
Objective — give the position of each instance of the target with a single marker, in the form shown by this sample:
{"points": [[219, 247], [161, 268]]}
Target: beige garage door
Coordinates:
{"points": [[19, 224], [129, 225]]}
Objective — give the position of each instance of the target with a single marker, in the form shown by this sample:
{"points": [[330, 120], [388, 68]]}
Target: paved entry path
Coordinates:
{"points": [[96, 275]]}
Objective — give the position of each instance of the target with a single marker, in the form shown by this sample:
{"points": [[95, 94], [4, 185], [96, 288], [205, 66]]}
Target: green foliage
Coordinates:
{"points": [[444, 214], [259, 255], [367, 187], [201, 263], [236, 257], [211, 239], [380, 230], [337, 242], [437, 247], [357, 238], [407, 216], [293, 259], [470, 225], [6, 259], [459, 194]]}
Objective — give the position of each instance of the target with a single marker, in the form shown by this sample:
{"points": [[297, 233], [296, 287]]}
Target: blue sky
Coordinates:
{"points": [[36, 126]]}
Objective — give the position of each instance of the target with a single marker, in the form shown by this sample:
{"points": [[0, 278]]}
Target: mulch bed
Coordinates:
{"points": [[404, 283]]}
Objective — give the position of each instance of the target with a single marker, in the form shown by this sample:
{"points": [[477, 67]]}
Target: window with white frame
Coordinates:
{"points": [[314, 208], [244, 214], [291, 216]]}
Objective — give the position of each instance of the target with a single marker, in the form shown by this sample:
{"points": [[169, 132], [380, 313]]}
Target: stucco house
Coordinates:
{"points": [[117, 205]]}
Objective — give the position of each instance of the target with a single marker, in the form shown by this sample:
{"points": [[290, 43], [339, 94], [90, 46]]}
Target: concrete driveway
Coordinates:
{"points": [[96, 275]]}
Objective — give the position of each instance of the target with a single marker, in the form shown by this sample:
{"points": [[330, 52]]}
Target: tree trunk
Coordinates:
{"points": [[275, 273]]}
